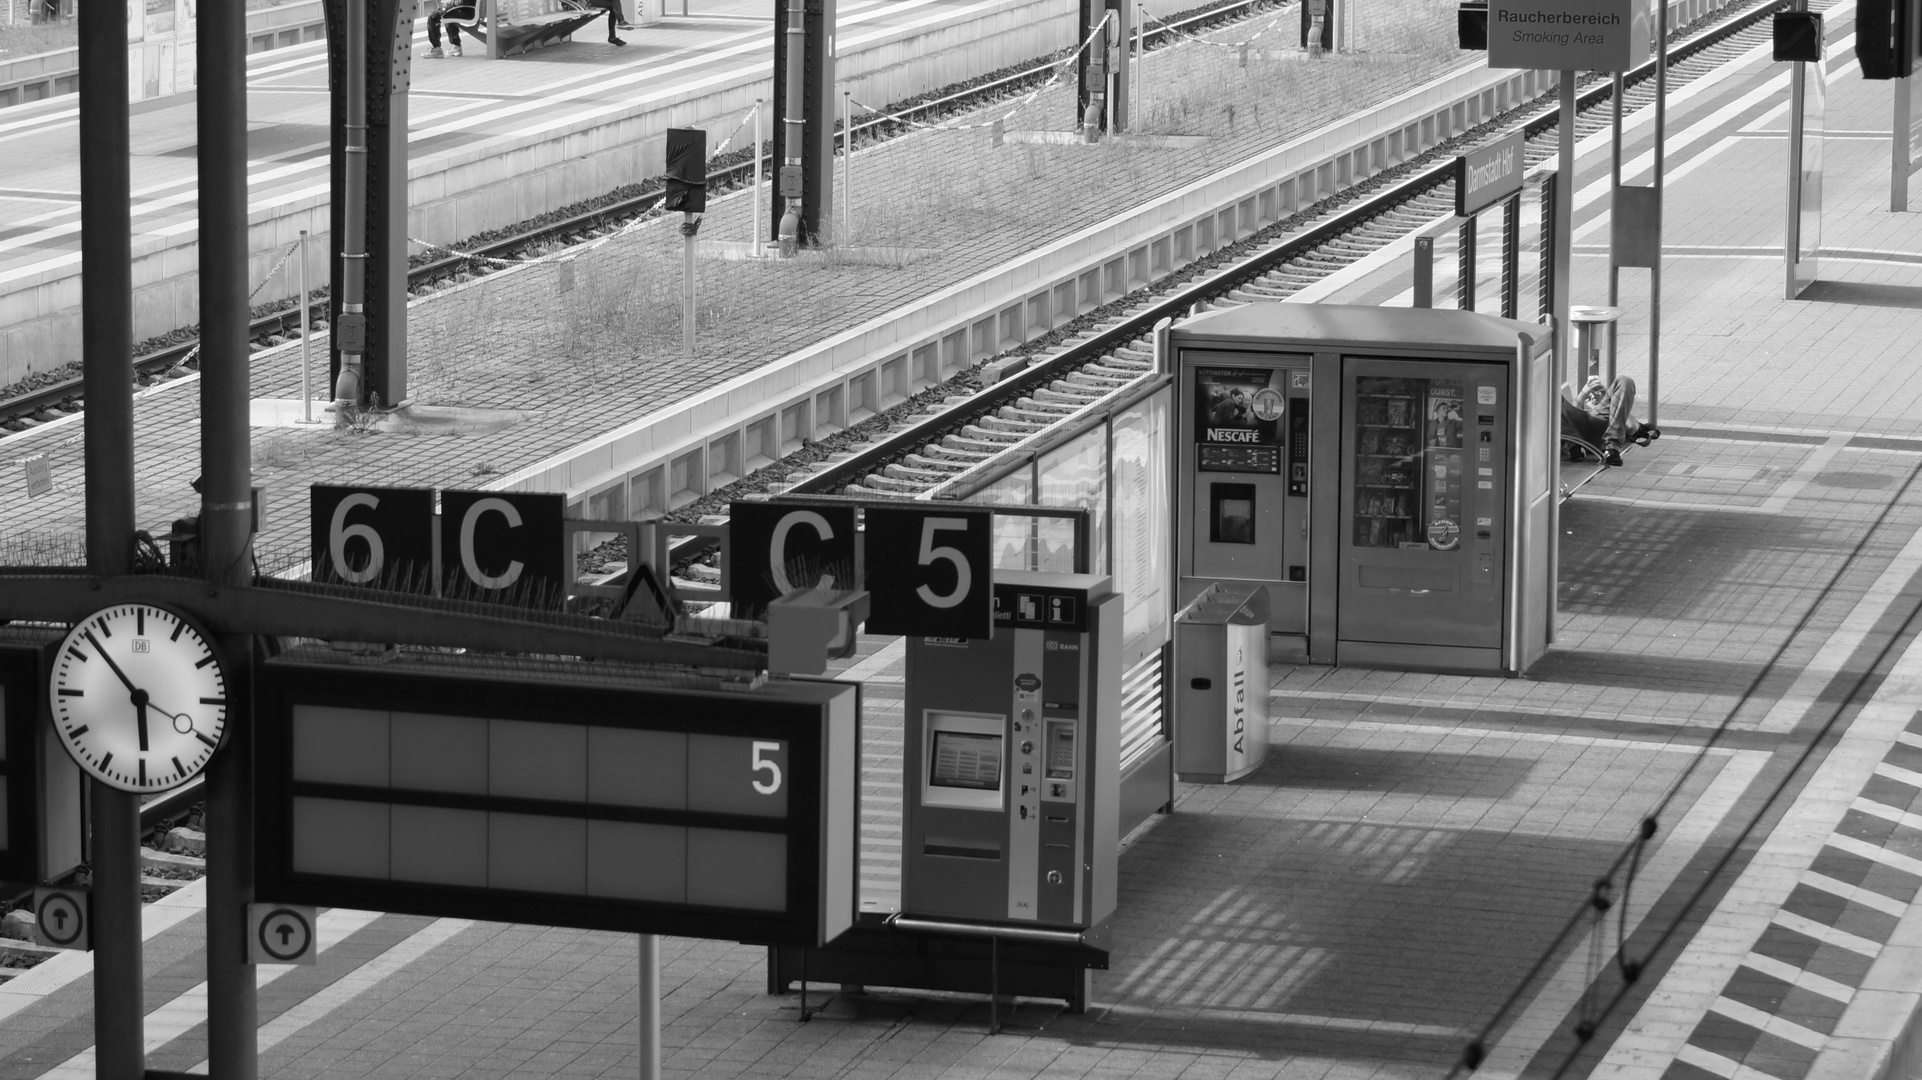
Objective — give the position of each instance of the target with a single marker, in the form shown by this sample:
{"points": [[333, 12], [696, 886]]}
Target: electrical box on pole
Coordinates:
{"points": [[813, 182], [1103, 68], [390, 33]]}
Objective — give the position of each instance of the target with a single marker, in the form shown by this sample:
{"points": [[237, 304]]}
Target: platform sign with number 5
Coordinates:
{"points": [[930, 571]]}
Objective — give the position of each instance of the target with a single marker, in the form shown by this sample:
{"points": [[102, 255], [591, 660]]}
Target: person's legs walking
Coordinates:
{"points": [[433, 34]]}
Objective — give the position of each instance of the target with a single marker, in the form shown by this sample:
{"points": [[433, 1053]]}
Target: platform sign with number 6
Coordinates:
{"points": [[930, 571], [381, 537]]}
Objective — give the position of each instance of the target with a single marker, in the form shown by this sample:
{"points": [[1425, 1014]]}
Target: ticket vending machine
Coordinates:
{"points": [[1387, 473], [1012, 760]]}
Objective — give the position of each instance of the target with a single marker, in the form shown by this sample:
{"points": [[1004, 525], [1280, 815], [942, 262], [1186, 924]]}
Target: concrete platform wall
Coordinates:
{"points": [[502, 181]]}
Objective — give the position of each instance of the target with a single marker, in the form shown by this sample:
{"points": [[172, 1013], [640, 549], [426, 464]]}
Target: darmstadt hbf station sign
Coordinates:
{"points": [[1568, 35]]}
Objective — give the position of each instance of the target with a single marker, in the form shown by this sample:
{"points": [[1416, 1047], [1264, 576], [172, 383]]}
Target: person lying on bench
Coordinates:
{"points": [[1603, 415]]}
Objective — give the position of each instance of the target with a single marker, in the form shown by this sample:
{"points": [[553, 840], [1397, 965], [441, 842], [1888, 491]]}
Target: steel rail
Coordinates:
{"points": [[54, 395], [1181, 299]]}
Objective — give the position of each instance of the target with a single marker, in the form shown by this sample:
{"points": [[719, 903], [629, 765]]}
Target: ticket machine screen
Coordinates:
{"points": [[965, 760]]}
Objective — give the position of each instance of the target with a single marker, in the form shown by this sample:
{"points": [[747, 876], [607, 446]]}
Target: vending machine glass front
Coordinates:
{"points": [[1424, 491]]}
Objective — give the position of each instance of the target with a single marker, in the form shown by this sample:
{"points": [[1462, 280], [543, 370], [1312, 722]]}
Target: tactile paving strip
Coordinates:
{"points": [[1778, 1009]]}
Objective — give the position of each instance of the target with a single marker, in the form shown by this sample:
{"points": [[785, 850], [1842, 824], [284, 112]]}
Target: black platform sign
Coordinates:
{"points": [[930, 571], [564, 795], [377, 536], [505, 547], [40, 786], [775, 548], [20, 694]]}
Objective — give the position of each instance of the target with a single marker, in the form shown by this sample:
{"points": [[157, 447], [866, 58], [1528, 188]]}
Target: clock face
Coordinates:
{"points": [[139, 697]]}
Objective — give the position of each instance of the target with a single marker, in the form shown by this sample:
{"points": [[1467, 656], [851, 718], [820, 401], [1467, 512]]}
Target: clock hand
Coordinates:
{"points": [[140, 716], [108, 657]]}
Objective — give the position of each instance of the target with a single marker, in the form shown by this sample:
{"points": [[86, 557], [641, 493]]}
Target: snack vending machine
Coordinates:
{"points": [[1387, 473], [1012, 795]]}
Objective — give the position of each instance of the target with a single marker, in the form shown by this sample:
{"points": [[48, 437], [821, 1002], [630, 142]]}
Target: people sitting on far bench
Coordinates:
{"points": [[614, 18], [1602, 415], [436, 11]]}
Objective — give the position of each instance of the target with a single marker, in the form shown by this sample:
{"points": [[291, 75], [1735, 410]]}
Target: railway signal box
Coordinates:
{"points": [[1387, 473]]}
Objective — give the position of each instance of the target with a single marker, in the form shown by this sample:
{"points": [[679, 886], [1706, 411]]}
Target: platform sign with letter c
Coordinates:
{"points": [[506, 547], [282, 934], [930, 571], [61, 918], [382, 537], [774, 548]]}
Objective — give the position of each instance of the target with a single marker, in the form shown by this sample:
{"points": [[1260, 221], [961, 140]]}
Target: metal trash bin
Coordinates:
{"points": [[1221, 683]]}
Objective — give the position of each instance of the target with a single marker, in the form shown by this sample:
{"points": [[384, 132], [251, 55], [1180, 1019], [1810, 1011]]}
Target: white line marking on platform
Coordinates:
{"points": [[50, 975], [1842, 643], [1176, 1014], [1544, 1015], [1877, 853], [1769, 1022], [1841, 939], [1717, 1064], [355, 983], [1888, 813], [1498, 733], [1795, 976], [189, 1010], [1899, 774], [1868, 898]]}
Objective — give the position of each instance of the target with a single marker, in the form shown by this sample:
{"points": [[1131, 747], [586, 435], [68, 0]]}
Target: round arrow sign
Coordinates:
{"points": [[60, 920], [285, 935]]}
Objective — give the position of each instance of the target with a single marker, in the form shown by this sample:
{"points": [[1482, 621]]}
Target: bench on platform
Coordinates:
{"points": [[508, 27], [1579, 451]]}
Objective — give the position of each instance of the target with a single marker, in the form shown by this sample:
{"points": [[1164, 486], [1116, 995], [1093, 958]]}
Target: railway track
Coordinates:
{"points": [[918, 457], [63, 398]]}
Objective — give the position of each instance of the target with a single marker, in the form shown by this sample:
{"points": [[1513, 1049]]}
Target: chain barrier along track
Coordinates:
{"points": [[64, 398], [1019, 412]]}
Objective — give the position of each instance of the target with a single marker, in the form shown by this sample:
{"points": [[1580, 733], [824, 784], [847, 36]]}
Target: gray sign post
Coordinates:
{"points": [[1566, 36]]}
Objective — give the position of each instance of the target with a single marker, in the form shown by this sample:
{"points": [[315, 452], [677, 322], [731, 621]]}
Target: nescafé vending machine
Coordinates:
{"points": [[1386, 472], [1012, 760]]}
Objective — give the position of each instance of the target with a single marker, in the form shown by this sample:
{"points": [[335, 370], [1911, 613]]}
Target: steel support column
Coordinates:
{"points": [[226, 519], [106, 276]]}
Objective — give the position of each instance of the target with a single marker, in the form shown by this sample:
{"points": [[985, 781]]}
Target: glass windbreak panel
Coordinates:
{"points": [[1075, 475], [1014, 538], [1408, 464], [1138, 480]]}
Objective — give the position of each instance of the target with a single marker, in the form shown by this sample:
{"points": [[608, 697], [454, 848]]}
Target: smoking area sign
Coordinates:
{"points": [[1568, 35]]}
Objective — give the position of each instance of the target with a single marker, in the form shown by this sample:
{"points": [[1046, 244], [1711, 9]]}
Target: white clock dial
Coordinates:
{"points": [[139, 697]]}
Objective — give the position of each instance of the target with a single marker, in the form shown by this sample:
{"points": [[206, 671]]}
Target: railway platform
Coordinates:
{"points": [[1363, 905]]}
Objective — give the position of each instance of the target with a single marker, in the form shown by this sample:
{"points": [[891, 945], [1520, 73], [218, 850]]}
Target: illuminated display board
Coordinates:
{"points": [[560, 796]]}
